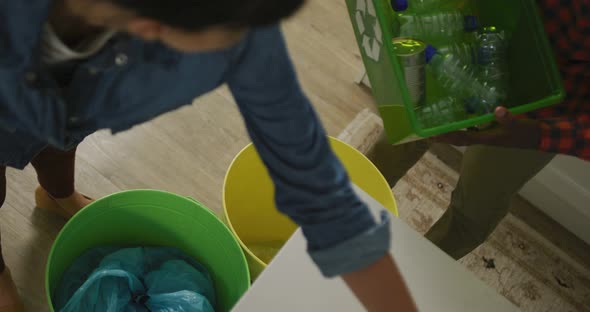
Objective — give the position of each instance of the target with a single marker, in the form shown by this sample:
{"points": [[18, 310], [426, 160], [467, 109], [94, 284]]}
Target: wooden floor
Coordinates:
{"points": [[187, 151]]}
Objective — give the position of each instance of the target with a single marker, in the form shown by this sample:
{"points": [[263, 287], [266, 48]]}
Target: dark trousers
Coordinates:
{"points": [[490, 177]]}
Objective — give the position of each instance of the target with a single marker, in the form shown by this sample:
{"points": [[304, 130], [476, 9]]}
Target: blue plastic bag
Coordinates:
{"points": [[109, 279]]}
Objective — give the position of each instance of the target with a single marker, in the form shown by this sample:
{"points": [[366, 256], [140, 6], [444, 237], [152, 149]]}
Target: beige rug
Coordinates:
{"points": [[517, 261]]}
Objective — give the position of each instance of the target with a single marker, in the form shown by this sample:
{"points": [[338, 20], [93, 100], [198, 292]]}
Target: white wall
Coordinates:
{"points": [[562, 191]]}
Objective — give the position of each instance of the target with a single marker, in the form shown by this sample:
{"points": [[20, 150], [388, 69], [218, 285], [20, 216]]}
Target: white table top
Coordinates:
{"points": [[292, 283]]}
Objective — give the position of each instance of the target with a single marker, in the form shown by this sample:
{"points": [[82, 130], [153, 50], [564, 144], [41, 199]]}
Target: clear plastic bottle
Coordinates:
{"points": [[467, 53], [492, 60], [460, 80], [424, 6], [493, 44], [436, 28], [415, 5], [441, 111]]}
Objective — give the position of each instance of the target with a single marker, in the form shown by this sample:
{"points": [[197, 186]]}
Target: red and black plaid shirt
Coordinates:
{"points": [[566, 126]]}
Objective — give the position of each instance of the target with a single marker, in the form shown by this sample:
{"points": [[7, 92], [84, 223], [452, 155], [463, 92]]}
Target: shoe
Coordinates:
{"points": [[9, 294], [46, 202]]}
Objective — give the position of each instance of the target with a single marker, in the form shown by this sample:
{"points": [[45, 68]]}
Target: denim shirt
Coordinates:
{"points": [[132, 81]]}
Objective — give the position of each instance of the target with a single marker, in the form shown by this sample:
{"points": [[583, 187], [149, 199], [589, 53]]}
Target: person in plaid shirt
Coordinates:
{"points": [[500, 160], [564, 128]]}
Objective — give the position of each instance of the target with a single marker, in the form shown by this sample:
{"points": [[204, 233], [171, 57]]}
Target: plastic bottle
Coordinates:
{"points": [[467, 53], [424, 6], [460, 80], [442, 111], [436, 28], [492, 59], [415, 5]]}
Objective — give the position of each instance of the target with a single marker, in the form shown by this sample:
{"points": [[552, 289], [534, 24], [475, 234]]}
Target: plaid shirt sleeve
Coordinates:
{"points": [[567, 136], [565, 128]]}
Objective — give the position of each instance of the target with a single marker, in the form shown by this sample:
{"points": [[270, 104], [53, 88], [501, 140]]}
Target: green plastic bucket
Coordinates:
{"points": [[154, 218], [535, 81]]}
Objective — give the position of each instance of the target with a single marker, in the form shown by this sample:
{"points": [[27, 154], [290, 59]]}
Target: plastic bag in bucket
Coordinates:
{"points": [[110, 279]]}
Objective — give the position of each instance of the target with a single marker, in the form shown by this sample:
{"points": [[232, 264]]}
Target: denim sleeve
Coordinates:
{"points": [[23, 104], [36, 111], [312, 187]]}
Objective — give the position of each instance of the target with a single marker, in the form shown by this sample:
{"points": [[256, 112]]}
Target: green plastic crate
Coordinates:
{"points": [[534, 79]]}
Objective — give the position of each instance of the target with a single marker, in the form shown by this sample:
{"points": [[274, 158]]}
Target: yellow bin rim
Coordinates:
{"points": [[389, 202]]}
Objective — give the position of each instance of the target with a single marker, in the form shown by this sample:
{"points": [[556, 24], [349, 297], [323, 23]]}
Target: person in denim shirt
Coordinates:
{"points": [[71, 67]]}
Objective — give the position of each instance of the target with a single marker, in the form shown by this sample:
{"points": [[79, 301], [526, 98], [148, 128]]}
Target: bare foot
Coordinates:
{"points": [[9, 299], [74, 202]]}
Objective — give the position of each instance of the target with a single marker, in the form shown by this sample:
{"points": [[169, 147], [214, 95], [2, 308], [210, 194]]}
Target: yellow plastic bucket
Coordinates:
{"points": [[249, 207]]}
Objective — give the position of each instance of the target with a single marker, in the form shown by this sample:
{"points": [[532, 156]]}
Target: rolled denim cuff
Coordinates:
{"points": [[356, 253]]}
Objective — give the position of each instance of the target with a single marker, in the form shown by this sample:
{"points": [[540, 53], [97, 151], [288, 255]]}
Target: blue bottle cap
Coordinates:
{"points": [[399, 5], [429, 52], [471, 23]]}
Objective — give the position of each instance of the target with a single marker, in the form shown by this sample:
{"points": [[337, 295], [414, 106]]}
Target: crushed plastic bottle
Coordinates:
{"points": [[467, 53], [460, 80], [415, 5], [435, 28], [424, 6], [442, 111], [492, 60]]}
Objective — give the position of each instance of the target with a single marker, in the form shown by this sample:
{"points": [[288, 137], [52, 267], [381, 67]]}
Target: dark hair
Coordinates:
{"points": [[194, 15]]}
